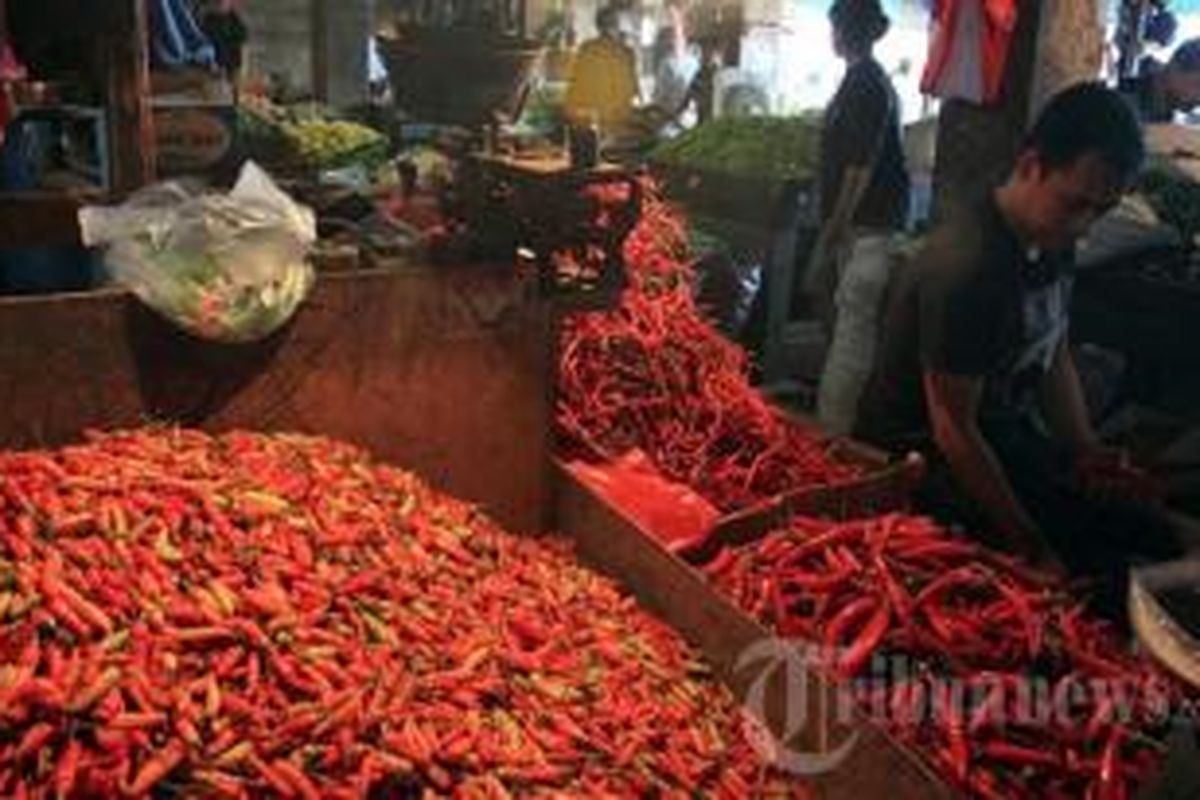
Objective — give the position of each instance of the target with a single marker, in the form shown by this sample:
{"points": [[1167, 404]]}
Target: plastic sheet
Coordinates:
{"points": [[669, 511], [225, 267]]}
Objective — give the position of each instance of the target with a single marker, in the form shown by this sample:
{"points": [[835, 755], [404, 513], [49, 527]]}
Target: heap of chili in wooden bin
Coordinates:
{"points": [[994, 672], [257, 616], [654, 375]]}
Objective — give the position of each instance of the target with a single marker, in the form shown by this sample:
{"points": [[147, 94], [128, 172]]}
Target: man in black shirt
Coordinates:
{"points": [[864, 188], [861, 133], [975, 352]]}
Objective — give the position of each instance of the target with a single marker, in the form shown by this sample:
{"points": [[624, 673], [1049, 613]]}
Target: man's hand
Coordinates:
{"points": [[953, 405], [820, 277], [1063, 403], [1109, 473], [1033, 548]]}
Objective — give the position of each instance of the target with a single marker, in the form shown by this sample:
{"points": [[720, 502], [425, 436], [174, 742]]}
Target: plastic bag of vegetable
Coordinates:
{"points": [[225, 267]]}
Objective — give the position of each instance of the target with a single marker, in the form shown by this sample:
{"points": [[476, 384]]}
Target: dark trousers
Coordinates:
{"points": [[1099, 539]]}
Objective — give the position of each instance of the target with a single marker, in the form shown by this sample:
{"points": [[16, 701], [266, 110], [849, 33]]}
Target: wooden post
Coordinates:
{"points": [[130, 122], [340, 32], [319, 13]]}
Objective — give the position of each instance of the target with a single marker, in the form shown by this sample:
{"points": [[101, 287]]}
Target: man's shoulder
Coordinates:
{"points": [[866, 79], [961, 244]]}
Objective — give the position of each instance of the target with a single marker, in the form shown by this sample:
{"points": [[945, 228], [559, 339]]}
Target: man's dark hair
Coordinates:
{"points": [[607, 17], [1088, 118], [1186, 57], [860, 23]]}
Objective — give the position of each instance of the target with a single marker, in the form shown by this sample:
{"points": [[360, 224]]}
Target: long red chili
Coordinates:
{"points": [[974, 623]]}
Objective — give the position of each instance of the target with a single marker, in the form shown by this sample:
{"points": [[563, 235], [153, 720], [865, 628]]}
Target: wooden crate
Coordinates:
{"points": [[443, 371], [874, 765]]}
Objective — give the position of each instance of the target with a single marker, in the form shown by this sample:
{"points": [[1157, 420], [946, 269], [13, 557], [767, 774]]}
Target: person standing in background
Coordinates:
{"points": [[864, 196], [1162, 90], [226, 29], [604, 80], [673, 64], [702, 90]]}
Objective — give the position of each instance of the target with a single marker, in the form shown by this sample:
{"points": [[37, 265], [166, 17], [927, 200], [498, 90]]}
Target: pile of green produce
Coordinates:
{"points": [[307, 137], [261, 130], [332, 144], [753, 147]]}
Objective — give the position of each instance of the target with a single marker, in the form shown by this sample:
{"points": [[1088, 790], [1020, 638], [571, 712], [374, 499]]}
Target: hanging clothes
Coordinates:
{"points": [[968, 51], [175, 38], [10, 70]]}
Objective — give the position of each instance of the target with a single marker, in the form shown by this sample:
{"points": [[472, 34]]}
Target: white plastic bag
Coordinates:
{"points": [[226, 267]]}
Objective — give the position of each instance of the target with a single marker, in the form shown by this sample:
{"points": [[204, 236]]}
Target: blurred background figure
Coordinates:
{"points": [[1160, 91], [223, 24], [864, 194], [604, 81]]}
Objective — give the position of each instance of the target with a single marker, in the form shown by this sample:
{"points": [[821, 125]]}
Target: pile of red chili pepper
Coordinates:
{"points": [[1006, 685], [251, 615], [654, 375]]}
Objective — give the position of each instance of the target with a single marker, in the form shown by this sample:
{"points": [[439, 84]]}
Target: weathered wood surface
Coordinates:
{"points": [[445, 372], [849, 758]]}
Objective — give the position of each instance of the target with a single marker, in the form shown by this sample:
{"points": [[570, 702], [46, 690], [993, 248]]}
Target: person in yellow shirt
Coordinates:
{"points": [[603, 78]]}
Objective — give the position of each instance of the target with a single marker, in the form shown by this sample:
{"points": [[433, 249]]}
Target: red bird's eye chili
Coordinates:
{"points": [[250, 615]]}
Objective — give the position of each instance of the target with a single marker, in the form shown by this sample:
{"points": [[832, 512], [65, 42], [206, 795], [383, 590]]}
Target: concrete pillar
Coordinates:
{"points": [[341, 33], [280, 40]]}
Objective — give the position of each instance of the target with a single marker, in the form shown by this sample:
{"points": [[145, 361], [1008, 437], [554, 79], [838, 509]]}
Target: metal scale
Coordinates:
{"points": [[1164, 612], [569, 224], [566, 221]]}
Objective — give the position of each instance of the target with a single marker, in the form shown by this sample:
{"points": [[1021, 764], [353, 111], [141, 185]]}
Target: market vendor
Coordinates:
{"points": [[603, 79], [975, 359], [702, 89], [864, 193], [674, 65], [1161, 91]]}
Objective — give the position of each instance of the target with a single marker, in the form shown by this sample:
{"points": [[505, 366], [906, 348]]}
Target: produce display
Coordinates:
{"points": [[654, 375], [260, 130], [991, 652], [306, 137], [1009, 639], [246, 615], [777, 148], [330, 144]]}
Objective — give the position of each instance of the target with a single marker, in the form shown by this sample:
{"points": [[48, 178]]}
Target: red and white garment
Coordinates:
{"points": [[10, 70], [968, 50]]}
